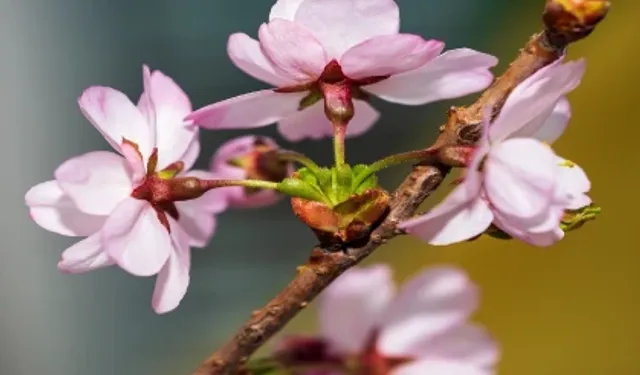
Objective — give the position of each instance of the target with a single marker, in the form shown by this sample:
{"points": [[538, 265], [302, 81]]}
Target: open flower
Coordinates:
{"points": [[515, 180], [420, 329], [351, 46], [250, 157], [113, 199]]}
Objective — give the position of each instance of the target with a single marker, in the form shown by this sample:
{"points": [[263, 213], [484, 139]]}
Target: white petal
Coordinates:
{"points": [[173, 280], [135, 238], [453, 74], [86, 255], [429, 304], [351, 307], [96, 182], [51, 209]]}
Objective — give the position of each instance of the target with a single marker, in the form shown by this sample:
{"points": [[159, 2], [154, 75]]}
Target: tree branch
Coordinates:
{"points": [[323, 266]]}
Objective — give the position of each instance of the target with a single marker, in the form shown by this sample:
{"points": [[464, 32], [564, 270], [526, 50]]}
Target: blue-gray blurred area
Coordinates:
{"points": [[101, 323]]}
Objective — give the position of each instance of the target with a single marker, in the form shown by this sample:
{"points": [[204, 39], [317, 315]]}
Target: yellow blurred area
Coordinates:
{"points": [[572, 308]]}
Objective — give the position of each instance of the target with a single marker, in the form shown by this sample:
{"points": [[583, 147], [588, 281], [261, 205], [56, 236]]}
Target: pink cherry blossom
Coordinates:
{"points": [[308, 42], [92, 195], [515, 181], [420, 329], [253, 152]]}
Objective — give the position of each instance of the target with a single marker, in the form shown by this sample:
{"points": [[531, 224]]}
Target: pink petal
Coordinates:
{"points": [[136, 165], [135, 239], [341, 24], [536, 236], [51, 209], [246, 54], [462, 215], [191, 155], [312, 123], [388, 55], [248, 111], [351, 307], [196, 222], [533, 100], [115, 117], [573, 183], [431, 303], [549, 125], [236, 147], [453, 74], [173, 280], [520, 178], [439, 367], [292, 50], [96, 182], [466, 344], [170, 105], [285, 9], [86, 255], [238, 197]]}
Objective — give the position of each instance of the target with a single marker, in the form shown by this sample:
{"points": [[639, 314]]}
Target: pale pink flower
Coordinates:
{"points": [[420, 329], [515, 180], [307, 42], [92, 194], [257, 162]]}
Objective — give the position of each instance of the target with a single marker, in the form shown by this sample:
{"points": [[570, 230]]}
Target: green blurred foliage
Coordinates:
{"points": [[571, 308]]}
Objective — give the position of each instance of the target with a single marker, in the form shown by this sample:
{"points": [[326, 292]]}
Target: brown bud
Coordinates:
{"points": [[349, 221], [572, 20]]}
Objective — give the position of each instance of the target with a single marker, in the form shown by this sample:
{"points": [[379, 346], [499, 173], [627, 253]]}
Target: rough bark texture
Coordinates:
{"points": [[324, 265]]}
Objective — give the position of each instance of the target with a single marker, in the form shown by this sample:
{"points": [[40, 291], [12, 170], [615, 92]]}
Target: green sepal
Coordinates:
{"points": [[296, 187]]}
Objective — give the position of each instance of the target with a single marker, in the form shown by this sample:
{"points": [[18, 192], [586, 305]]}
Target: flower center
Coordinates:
{"points": [[331, 79], [157, 189]]}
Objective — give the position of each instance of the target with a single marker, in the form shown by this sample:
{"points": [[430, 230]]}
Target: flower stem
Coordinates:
{"points": [[257, 184], [339, 135], [299, 158], [391, 160]]}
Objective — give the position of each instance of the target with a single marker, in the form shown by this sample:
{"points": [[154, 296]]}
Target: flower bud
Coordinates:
{"points": [[572, 20], [250, 157], [349, 221]]}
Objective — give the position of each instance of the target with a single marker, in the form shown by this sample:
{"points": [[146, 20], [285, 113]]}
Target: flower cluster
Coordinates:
{"points": [[142, 207]]}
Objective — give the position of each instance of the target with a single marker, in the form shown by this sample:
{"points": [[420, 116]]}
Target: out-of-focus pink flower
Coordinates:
{"points": [[420, 329], [515, 180], [308, 43], [98, 195], [250, 157]]}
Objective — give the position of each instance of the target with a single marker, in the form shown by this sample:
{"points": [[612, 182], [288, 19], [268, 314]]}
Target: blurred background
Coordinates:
{"points": [[569, 309]]}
